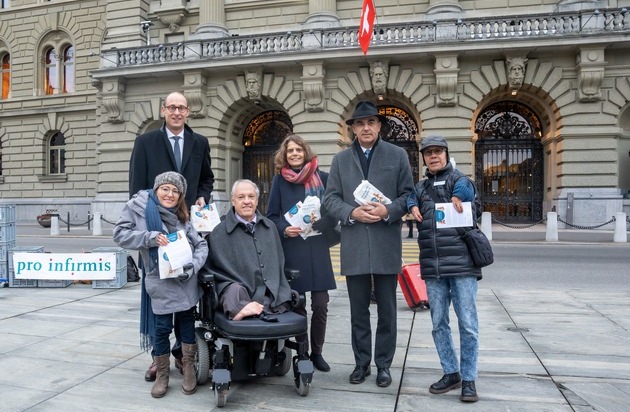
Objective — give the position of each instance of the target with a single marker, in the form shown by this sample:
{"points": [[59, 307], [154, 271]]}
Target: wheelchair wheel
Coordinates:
{"points": [[220, 397], [302, 387], [202, 364], [283, 368]]}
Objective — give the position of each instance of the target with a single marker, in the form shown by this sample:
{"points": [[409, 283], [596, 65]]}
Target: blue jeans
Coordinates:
{"points": [[164, 327], [462, 291]]}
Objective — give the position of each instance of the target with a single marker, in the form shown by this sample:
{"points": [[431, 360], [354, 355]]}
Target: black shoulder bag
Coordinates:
{"points": [[132, 270], [478, 244]]}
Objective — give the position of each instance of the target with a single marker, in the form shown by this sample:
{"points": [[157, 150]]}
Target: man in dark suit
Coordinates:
{"points": [[371, 244], [172, 148]]}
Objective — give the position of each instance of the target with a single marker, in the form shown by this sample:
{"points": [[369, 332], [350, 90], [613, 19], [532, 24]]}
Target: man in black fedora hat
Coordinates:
{"points": [[371, 245]]}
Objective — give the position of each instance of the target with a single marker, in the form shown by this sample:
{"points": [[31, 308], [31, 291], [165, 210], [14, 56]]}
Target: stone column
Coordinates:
{"points": [[211, 20], [322, 14], [123, 24], [444, 9]]}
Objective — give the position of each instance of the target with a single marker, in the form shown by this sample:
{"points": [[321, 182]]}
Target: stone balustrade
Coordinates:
{"points": [[559, 25]]}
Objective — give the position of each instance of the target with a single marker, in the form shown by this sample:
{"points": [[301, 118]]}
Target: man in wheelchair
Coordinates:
{"points": [[249, 332], [246, 255]]}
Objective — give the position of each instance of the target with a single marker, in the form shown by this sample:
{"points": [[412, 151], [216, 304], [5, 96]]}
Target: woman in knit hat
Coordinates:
{"points": [[145, 221]]}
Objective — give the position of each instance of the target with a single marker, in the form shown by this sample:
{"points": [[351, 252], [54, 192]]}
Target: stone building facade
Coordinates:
{"points": [[533, 98]]}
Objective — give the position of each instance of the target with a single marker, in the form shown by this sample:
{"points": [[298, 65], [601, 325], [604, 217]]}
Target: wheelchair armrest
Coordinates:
{"points": [[291, 274], [297, 301], [206, 277]]}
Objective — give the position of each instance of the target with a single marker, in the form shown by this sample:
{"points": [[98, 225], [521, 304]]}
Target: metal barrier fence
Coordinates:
{"points": [[620, 232]]}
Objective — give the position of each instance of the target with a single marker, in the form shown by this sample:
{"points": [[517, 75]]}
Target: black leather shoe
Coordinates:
{"points": [[383, 378], [449, 381], [469, 392], [319, 362], [359, 374]]}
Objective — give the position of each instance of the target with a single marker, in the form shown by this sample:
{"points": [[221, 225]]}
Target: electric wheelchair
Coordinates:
{"points": [[230, 350]]}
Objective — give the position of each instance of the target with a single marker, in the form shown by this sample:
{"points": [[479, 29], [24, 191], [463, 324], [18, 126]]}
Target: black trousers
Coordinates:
{"points": [[319, 316], [359, 290]]}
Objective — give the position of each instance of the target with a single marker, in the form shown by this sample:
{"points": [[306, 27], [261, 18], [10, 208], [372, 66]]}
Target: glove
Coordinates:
{"points": [[319, 225], [189, 271]]}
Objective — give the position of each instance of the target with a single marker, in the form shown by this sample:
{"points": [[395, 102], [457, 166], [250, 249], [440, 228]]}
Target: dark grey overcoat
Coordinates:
{"points": [[370, 248], [235, 256]]}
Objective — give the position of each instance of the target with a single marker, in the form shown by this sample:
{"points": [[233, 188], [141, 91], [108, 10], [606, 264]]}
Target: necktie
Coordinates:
{"points": [[250, 227], [178, 153], [367, 153]]}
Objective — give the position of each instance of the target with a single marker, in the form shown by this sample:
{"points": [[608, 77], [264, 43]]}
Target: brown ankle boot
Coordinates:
{"points": [[163, 364], [188, 360], [150, 374]]}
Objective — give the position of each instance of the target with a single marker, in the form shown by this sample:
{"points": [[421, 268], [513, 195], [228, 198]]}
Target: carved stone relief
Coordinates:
{"points": [[516, 72], [113, 92], [590, 65], [194, 90], [446, 71], [379, 72], [312, 81]]}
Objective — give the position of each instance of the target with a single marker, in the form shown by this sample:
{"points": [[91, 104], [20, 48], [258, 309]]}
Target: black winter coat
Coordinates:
{"points": [[311, 255], [442, 252], [153, 154]]}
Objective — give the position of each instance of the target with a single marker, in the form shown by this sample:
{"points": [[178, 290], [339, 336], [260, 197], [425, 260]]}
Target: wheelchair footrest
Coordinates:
{"points": [[263, 366], [221, 377]]}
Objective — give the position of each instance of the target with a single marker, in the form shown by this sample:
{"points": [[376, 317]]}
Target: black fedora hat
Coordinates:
{"points": [[365, 108]]}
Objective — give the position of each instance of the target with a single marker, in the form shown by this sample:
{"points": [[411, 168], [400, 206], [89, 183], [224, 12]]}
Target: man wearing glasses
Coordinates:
{"points": [[172, 148]]}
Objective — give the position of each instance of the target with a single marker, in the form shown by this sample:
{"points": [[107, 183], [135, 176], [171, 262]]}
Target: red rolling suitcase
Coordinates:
{"points": [[413, 287]]}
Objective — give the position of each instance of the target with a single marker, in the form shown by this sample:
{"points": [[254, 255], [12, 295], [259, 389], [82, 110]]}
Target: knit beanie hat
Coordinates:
{"points": [[171, 178]]}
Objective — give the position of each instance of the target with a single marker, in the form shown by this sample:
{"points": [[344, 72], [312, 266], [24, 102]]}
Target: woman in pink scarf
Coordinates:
{"points": [[298, 177]]}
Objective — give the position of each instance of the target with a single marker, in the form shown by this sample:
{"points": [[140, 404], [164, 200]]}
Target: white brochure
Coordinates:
{"points": [[447, 216], [366, 192], [174, 256], [204, 219], [304, 214]]}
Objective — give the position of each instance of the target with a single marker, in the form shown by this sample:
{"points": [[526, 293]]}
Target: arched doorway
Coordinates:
{"points": [[261, 139], [402, 130], [509, 162]]}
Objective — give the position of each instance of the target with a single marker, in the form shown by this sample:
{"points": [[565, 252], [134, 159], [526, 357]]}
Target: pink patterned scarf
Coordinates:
{"points": [[308, 176]]}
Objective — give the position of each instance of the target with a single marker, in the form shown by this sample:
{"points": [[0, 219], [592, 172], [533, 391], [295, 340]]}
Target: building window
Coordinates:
{"points": [[56, 154], [5, 70], [68, 69], [59, 70], [50, 70], [5, 4]]}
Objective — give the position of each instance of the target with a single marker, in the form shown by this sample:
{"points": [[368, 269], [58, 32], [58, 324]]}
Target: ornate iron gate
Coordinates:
{"points": [[509, 162], [261, 139], [402, 130]]}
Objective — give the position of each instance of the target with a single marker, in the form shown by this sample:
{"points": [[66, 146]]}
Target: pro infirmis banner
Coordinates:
{"points": [[64, 266]]}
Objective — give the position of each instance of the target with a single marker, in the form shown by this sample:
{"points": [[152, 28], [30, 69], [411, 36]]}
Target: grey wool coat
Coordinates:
{"points": [[236, 255], [167, 295], [374, 248]]}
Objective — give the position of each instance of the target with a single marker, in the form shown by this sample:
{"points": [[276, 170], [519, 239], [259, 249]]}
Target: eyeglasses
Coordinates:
{"points": [[165, 190], [172, 109], [430, 152]]}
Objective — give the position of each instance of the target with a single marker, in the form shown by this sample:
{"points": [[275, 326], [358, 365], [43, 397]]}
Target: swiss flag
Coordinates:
{"points": [[368, 14]]}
